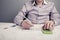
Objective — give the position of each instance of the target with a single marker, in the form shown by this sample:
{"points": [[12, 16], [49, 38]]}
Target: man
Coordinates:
{"points": [[39, 12]]}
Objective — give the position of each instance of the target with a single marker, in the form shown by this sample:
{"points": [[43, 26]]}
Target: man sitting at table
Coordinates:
{"points": [[38, 12]]}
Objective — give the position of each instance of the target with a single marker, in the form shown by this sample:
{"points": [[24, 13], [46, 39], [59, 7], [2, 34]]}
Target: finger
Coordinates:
{"points": [[48, 24], [45, 25], [51, 27], [26, 26], [29, 23]]}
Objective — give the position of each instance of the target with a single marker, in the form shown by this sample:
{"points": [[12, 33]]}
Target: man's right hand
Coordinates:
{"points": [[26, 24]]}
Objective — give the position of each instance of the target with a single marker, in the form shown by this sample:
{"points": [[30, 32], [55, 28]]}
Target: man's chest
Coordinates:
{"points": [[45, 10]]}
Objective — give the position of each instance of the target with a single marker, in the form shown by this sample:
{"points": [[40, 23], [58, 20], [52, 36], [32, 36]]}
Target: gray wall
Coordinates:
{"points": [[10, 8]]}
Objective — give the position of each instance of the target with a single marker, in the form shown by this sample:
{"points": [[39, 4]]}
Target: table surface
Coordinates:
{"points": [[10, 31]]}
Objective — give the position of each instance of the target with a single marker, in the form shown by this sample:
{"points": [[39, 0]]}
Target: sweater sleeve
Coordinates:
{"points": [[20, 16], [55, 16]]}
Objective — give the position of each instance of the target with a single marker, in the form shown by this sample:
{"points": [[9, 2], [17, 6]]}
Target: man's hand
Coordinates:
{"points": [[26, 24], [49, 25]]}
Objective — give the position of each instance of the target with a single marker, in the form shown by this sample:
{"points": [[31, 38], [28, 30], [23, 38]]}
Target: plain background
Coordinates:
{"points": [[9, 9]]}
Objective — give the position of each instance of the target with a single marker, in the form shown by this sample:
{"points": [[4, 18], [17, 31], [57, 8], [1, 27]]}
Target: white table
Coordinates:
{"points": [[7, 32]]}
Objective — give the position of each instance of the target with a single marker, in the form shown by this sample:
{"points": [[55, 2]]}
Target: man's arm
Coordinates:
{"points": [[54, 19], [55, 16], [20, 16]]}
